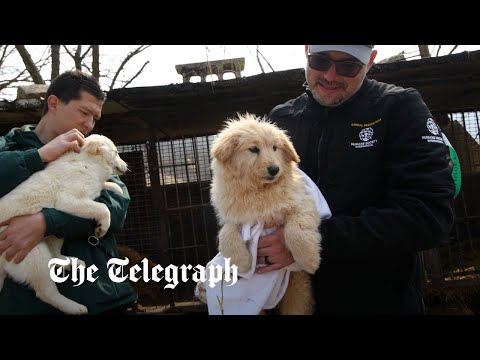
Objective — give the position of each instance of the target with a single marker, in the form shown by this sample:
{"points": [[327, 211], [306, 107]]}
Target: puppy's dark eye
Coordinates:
{"points": [[254, 149], [274, 147]]}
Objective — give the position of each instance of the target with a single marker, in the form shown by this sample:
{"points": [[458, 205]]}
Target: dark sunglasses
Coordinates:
{"points": [[343, 68]]}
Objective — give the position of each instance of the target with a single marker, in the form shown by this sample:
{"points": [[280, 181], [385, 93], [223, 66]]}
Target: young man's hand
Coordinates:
{"points": [[21, 235], [71, 140]]}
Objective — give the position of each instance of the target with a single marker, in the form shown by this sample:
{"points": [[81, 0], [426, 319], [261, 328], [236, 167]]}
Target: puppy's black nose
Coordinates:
{"points": [[273, 170]]}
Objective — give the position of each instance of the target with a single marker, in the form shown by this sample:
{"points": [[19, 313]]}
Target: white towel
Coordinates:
{"points": [[254, 292]]}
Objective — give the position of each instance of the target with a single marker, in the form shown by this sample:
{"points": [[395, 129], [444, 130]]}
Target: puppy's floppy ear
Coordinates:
{"points": [[289, 150], [225, 146], [93, 146]]}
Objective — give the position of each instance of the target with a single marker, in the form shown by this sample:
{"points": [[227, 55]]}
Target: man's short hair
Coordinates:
{"points": [[68, 86]]}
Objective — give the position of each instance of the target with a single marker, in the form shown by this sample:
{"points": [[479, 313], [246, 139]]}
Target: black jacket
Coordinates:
{"points": [[380, 162]]}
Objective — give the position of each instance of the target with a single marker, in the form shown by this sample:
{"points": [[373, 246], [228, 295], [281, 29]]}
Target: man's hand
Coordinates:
{"points": [[21, 235], [71, 140], [273, 246]]}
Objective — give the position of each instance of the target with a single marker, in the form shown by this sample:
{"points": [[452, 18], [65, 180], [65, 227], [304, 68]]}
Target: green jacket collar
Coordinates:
{"points": [[24, 137]]}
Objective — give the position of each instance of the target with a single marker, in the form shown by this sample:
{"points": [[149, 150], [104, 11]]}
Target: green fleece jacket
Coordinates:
{"points": [[19, 159]]}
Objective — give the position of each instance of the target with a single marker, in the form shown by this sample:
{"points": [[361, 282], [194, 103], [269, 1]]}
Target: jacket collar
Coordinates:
{"points": [[25, 137]]}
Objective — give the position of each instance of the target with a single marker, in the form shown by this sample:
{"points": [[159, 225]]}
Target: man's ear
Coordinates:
{"points": [[53, 102]]}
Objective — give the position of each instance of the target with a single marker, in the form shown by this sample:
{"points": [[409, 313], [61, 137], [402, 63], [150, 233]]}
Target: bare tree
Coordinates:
{"points": [[424, 52], [10, 75], [263, 57], [30, 65], [79, 60], [77, 56], [259, 61], [96, 61], [55, 61], [129, 56], [453, 49], [87, 60]]}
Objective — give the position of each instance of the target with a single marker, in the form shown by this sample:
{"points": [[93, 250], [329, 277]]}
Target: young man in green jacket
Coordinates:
{"points": [[73, 104]]}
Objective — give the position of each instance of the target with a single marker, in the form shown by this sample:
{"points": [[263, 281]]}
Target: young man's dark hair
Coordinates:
{"points": [[68, 86]]}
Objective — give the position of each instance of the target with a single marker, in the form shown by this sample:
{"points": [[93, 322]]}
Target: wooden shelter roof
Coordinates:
{"points": [[133, 115]]}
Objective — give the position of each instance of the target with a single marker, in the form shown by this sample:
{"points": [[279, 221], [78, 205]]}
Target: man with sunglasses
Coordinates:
{"points": [[378, 157]]}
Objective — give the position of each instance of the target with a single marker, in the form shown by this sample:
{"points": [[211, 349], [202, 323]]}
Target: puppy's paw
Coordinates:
{"points": [[231, 245], [305, 248], [309, 262], [308, 255], [242, 260], [108, 185], [76, 309], [100, 231], [102, 226], [244, 263]]}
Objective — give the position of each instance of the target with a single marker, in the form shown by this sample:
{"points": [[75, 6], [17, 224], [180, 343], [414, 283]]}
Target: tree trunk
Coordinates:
{"points": [[96, 61], [30, 65], [78, 58], [55, 61], [424, 52]]}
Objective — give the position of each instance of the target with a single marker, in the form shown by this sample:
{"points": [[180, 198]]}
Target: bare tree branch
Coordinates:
{"points": [[11, 77], [6, 51], [259, 61], [259, 53], [451, 51], [18, 78], [86, 52], [29, 64], [136, 75], [68, 52], [87, 66], [78, 56], [127, 59]]}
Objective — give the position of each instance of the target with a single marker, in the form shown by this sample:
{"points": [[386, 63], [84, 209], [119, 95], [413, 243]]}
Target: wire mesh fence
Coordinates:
{"points": [[170, 219], [452, 271]]}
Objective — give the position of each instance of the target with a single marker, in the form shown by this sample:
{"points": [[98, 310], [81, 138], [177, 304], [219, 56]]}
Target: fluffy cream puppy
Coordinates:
{"points": [[255, 178], [70, 184]]}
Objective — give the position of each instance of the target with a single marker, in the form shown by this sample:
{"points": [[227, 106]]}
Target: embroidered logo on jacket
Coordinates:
{"points": [[366, 136], [433, 128]]}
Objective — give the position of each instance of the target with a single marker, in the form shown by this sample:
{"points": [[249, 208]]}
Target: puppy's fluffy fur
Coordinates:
{"points": [[254, 178], [70, 184]]}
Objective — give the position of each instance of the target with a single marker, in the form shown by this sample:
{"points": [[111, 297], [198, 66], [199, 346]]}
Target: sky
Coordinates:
{"points": [[162, 59]]}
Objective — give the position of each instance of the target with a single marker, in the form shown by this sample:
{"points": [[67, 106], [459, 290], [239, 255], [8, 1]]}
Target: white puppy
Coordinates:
{"points": [[69, 184]]}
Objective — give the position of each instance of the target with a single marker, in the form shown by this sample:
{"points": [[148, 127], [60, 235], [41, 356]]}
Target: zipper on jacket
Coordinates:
{"points": [[322, 148]]}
